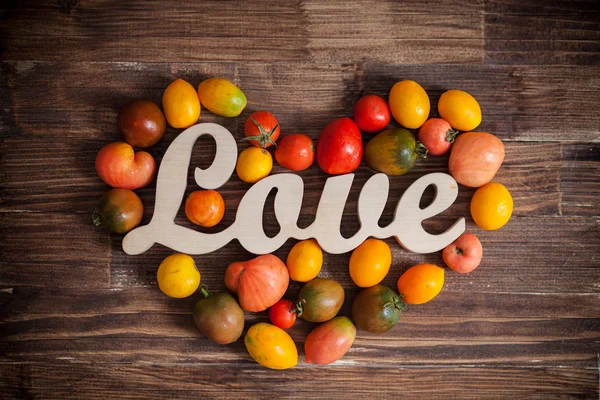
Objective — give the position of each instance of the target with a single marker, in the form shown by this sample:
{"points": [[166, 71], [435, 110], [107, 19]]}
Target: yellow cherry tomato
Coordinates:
{"points": [[421, 283], [221, 97], [271, 346], [181, 104], [491, 206], [305, 260], [178, 276], [409, 104], [370, 262], [253, 164], [460, 110]]}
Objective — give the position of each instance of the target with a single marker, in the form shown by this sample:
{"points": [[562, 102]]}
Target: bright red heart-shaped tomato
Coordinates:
{"points": [[121, 167]]}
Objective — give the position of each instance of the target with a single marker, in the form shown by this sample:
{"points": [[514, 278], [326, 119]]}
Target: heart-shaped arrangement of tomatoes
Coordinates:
{"points": [[261, 283]]}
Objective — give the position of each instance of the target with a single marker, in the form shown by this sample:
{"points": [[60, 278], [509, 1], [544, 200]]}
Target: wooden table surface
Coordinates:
{"points": [[81, 319]]}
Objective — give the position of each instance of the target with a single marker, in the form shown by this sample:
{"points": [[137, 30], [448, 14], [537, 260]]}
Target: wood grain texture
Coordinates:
{"points": [[191, 382], [80, 319]]}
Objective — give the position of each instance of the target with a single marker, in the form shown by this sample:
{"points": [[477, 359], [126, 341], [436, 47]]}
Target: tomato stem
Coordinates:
{"points": [[96, 218], [459, 251], [298, 306], [421, 150], [264, 136], [451, 135], [205, 292]]}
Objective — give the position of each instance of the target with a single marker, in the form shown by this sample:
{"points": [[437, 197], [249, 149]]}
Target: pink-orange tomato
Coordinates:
{"points": [[329, 341], [464, 254], [475, 158], [437, 136], [259, 283], [120, 167]]}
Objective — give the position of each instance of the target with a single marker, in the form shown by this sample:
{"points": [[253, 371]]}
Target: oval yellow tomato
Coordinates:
{"points": [[271, 346], [305, 260], [409, 104], [178, 276], [491, 206], [253, 164], [421, 283], [221, 97], [181, 104], [460, 110], [370, 262]]}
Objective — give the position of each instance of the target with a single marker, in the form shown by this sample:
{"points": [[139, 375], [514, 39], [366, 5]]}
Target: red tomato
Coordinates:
{"points": [[120, 167], [329, 341], [437, 135], [261, 129], [205, 208], [295, 152], [283, 314], [340, 148], [371, 113]]}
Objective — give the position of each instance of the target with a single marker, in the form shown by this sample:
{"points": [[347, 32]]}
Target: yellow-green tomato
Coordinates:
{"points": [[271, 346], [221, 97]]}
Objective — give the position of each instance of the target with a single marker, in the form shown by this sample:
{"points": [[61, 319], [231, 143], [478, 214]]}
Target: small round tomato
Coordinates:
{"points": [[181, 104], [221, 97], [421, 283], [340, 147], [329, 341], [141, 123], [464, 254], [305, 260], [295, 152], [437, 136], [475, 158], [393, 152], [460, 109], [320, 300], [219, 317], [370, 262], [283, 314], [119, 166], [261, 129], [178, 276], [119, 211], [377, 309], [409, 104], [491, 206], [271, 346], [253, 164], [371, 113], [205, 208]]}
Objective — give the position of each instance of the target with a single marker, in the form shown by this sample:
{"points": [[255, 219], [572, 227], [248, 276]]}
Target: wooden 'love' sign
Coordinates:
{"points": [[248, 228]]}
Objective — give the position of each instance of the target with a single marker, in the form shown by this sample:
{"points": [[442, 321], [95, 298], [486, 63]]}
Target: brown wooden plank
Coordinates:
{"points": [[540, 52], [360, 22], [254, 6], [81, 99], [57, 250], [367, 350], [217, 49], [22, 303], [542, 7], [580, 182], [52, 380]]}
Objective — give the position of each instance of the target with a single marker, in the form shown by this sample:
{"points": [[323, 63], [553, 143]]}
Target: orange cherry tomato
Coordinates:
{"points": [[120, 167], [421, 283], [295, 152], [205, 208], [261, 129]]}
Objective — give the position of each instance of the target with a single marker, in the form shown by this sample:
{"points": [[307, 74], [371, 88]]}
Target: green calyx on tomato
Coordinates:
{"points": [[451, 135], [264, 137]]}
